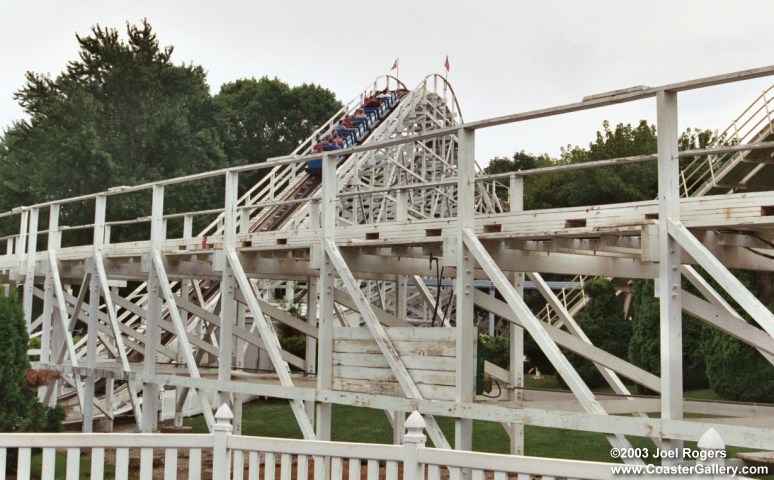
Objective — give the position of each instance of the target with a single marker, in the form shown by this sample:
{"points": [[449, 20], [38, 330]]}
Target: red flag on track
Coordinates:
{"points": [[394, 65], [446, 63]]}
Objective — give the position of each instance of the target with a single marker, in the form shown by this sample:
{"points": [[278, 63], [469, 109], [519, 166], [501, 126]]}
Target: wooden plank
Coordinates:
{"points": [[392, 471], [427, 377], [23, 464], [433, 349], [122, 464], [354, 469], [97, 463], [433, 472], [430, 392], [302, 467], [337, 468], [426, 362], [269, 466], [73, 464], [239, 464], [170, 464], [146, 464], [286, 467], [195, 464], [373, 470], [398, 334], [48, 464]]}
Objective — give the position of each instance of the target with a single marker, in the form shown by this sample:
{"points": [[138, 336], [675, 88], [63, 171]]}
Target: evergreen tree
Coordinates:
{"points": [[20, 410]]}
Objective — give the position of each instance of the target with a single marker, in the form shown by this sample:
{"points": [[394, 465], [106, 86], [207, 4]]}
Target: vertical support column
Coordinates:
{"points": [[48, 325], [100, 204], [516, 370], [325, 287], [669, 263], [401, 297], [466, 331], [150, 391], [186, 289], [228, 285], [29, 277], [311, 311], [52, 335]]}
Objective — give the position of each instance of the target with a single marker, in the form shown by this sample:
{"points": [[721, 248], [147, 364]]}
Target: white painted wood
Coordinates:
{"points": [[146, 464], [170, 464], [182, 335], [723, 276], [538, 332], [122, 464], [478, 474], [391, 471], [102, 279], [73, 464], [270, 338], [239, 461], [380, 335], [150, 404], [285, 467], [337, 468], [195, 464], [269, 466], [354, 469], [319, 464], [499, 475], [254, 466], [29, 278], [48, 464], [23, 464], [97, 463], [372, 471], [670, 311], [3, 456], [433, 472]]}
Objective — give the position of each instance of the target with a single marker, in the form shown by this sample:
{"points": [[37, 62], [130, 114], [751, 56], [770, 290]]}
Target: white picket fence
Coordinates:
{"points": [[240, 457]]}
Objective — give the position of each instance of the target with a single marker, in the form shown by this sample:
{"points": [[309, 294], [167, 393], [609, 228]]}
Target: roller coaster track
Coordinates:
{"points": [[279, 202]]}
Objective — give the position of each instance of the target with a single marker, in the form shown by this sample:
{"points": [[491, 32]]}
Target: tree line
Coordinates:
{"points": [[124, 113]]}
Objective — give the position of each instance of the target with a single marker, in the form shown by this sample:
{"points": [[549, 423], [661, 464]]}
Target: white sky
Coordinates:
{"points": [[506, 56]]}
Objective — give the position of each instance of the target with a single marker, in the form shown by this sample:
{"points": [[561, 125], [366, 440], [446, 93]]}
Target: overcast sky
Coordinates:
{"points": [[505, 56]]}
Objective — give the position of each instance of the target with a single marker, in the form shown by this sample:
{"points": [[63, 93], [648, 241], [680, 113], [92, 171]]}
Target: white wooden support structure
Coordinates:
{"points": [[516, 333], [228, 285], [150, 396], [100, 205], [325, 286], [29, 277], [541, 337], [671, 324], [464, 261], [408, 192]]}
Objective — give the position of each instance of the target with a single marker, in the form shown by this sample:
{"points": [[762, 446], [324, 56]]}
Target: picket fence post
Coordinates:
{"points": [[221, 456], [413, 440]]}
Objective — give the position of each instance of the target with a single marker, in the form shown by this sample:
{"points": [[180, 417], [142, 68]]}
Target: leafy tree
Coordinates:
{"points": [[260, 119], [625, 183], [603, 321], [122, 114]]}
